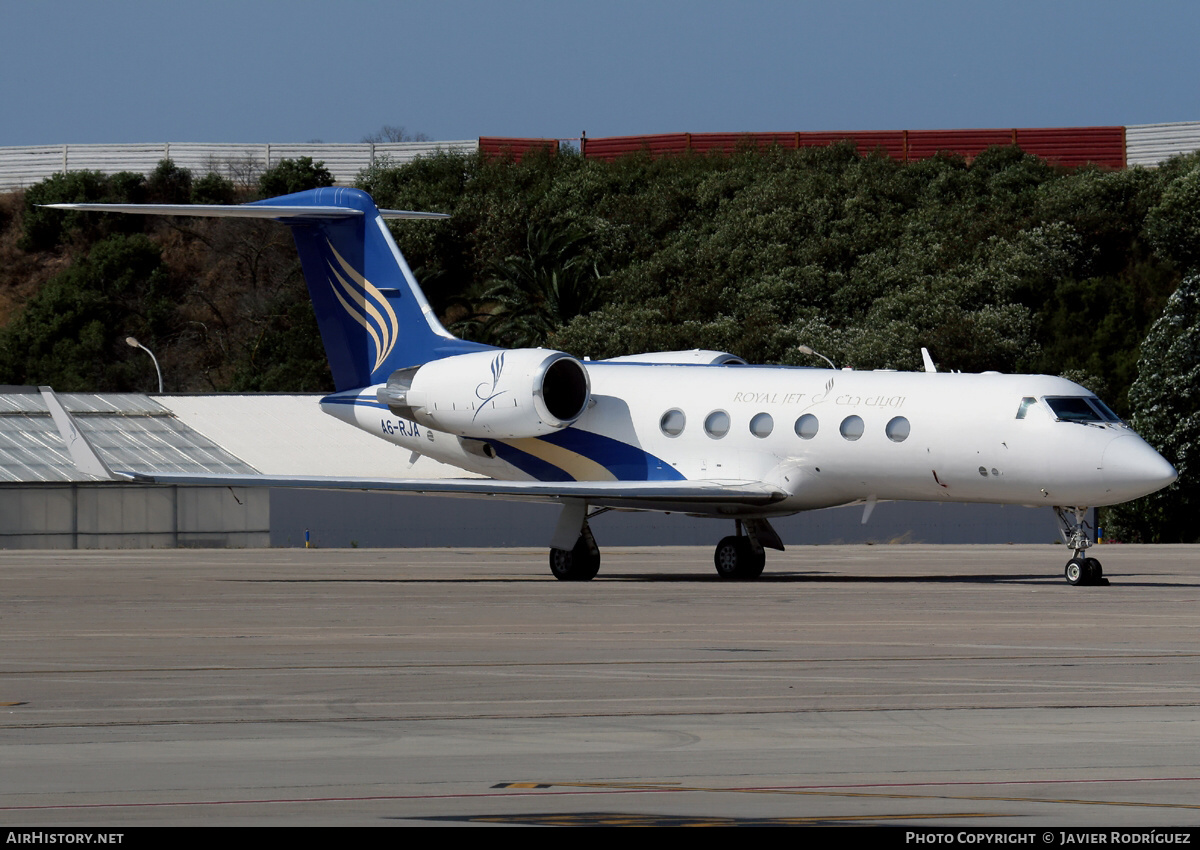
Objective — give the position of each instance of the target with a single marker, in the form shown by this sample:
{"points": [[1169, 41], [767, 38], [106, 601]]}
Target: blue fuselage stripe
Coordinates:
{"points": [[624, 461], [527, 463]]}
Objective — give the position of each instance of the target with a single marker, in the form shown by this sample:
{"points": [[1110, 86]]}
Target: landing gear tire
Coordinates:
{"points": [[753, 562], [735, 558], [1073, 526], [578, 564], [727, 559], [1084, 571]]}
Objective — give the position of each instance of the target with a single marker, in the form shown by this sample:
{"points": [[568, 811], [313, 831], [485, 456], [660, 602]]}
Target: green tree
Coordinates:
{"points": [[169, 184], [294, 175], [1166, 401], [1173, 226], [286, 353], [45, 229], [71, 333], [529, 297], [213, 189]]}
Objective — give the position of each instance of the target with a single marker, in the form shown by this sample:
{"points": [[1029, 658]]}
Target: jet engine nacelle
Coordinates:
{"points": [[526, 392]]}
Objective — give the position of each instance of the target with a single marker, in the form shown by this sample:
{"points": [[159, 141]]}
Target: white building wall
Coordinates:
{"points": [[1150, 144], [29, 164]]}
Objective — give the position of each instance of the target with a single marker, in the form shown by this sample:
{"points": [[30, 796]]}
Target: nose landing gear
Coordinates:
{"points": [[1084, 571], [1080, 570]]}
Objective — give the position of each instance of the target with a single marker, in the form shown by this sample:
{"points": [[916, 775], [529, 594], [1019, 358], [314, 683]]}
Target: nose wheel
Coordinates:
{"points": [[1080, 570], [1084, 571]]}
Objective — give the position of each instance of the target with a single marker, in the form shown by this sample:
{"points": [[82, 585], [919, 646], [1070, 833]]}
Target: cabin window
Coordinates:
{"points": [[852, 427], [672, 422], [717, 424], [1026, 403], [806, 426], [897, 430], [762, 425]]}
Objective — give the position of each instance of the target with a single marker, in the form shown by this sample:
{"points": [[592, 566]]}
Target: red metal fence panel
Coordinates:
{"points": [[1068, 146], [969, 143], [730, 142], [491, 146], [1076, 145], [617, 146]]}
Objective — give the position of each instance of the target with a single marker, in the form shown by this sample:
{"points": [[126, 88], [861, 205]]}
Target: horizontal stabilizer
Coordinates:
{"points": [[272, 211]]}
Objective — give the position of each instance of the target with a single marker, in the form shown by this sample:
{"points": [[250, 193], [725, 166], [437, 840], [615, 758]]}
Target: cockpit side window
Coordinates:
{"points": [[1026, 403]]}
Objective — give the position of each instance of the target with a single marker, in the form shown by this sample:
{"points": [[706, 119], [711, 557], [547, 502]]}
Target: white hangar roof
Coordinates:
{"points": [[290, 435], [129, 430]]}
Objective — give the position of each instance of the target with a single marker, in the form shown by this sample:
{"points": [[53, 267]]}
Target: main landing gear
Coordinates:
{"points": [[580, 563], [741, 556], [1080, 570], [737, 558]]}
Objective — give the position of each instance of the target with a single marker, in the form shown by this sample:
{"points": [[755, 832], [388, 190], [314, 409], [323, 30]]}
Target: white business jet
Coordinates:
{"points": [[696, 432]]}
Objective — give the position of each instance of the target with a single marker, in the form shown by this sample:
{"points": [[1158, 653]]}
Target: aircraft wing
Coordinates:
{"points": [[656, 495], [636, 495]]}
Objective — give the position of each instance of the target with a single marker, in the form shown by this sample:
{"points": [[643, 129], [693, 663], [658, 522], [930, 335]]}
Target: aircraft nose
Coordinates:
{"points": [[1132, 466]]}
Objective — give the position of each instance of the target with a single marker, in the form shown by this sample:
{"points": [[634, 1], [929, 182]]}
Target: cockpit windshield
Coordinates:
{"points": [[1080, 409], [1104, 409]]}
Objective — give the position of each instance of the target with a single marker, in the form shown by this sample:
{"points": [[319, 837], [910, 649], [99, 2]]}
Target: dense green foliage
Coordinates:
{"points": [[71, 334], [294, 175], [1002, 263], [46, 229], [221, 303], [527, 298], [1166, 400]]}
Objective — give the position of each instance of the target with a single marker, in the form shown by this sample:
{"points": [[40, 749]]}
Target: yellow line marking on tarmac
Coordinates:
{"points": [[624, 819], [976, 798], [522, 785]]}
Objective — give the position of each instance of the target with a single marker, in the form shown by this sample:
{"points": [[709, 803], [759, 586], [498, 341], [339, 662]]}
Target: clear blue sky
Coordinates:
{"points": [[301, 70]]}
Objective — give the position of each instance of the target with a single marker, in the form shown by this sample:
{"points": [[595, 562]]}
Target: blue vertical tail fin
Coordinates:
{"points": [[373, 317]]}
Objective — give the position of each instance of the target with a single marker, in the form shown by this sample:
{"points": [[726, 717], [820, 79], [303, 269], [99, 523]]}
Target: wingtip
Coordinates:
{"points": [[83, 454]]}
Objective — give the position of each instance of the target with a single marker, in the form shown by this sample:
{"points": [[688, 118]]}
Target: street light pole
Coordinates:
{"points": [[133, 343], [804, 349]]}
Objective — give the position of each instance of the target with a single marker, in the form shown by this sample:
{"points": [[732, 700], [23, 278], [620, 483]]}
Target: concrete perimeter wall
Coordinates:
{"points": [[384, 520], [99, 516]]}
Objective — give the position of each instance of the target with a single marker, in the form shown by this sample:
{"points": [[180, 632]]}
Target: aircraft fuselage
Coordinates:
{"points": [[824, 437]]}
